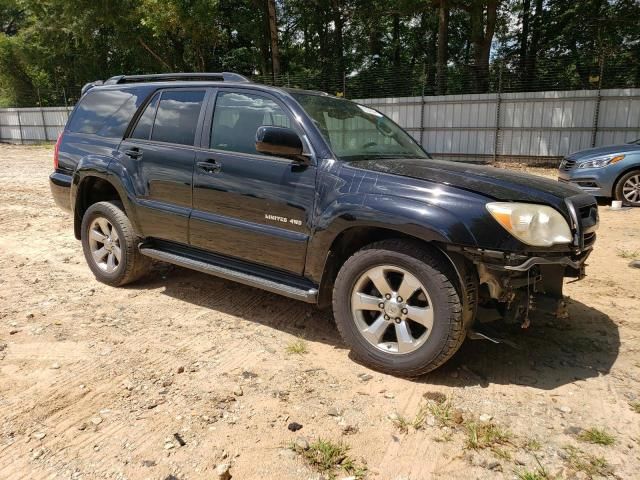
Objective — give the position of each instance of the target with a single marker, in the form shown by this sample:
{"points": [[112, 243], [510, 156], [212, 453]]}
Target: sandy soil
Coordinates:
{"points": [[95, 381]]}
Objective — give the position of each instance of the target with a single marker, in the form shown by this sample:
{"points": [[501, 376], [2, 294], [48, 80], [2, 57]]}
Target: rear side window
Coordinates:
{"points": [[143, 128], [177, 116], [105, 112]]}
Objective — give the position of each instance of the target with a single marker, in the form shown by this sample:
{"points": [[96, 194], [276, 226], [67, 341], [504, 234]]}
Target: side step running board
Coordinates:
{"points": [[309, 296]]}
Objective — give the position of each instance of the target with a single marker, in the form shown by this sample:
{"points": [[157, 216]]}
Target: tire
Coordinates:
{"points": [[444, 328], [110, 269], [629, 184]]}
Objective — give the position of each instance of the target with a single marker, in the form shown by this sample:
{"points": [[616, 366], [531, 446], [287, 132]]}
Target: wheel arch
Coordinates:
{"points": [[93, 187], [353, 239]]}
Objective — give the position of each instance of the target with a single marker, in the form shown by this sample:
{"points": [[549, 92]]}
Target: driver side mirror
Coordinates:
{"points": [[280, 141]]}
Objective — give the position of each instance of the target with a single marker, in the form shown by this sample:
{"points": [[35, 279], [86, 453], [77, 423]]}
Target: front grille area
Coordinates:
{"points": [[586, 210], [567, 164]]}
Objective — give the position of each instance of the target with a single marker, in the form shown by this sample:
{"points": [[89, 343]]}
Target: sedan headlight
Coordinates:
{"points": [[536, 225], [600, 161]]}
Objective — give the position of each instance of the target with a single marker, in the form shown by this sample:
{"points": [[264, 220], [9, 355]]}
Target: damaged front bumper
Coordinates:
{"points": [[519, 284]]}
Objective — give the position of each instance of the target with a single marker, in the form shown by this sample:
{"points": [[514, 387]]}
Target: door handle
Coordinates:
{"points": [[133, 153], [210, 166]]}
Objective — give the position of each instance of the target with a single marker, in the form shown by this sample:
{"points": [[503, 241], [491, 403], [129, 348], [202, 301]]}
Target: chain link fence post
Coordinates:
{"points": [[20, 126], [596, 113], [44, 122], [422, 104], [498, 134]]}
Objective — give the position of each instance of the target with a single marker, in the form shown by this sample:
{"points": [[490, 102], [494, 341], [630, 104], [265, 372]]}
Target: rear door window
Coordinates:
{"points": [[177, 116], [105, 112], [143, 128]]}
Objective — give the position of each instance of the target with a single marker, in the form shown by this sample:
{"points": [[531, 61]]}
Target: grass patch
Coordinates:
{"points": [[299, 347], [401, 423], [628, 254], [532, 445], [536, 474], [539, 473], [597, 436], [440, 408], [329, 458], [635, 406], [591, 465], [486, 435]]}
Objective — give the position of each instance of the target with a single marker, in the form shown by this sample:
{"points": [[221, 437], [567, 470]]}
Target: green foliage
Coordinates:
{"points": [[50, 48]]}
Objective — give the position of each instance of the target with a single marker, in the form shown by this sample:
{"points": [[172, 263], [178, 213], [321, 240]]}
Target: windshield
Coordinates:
{"points": [[357, 132]]}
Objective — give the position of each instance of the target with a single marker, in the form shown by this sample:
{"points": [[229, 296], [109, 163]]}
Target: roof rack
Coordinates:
{"points": [[173, 77]]}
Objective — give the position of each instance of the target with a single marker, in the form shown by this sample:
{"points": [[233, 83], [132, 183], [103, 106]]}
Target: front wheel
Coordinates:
{"points": [[628, 189], [397, 308]]}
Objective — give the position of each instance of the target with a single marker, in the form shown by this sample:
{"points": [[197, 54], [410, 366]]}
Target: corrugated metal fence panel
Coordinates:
{"points": [[619, 119], [29, 125], [546, 123], [532, 124], [535, 124], [460, 124]]}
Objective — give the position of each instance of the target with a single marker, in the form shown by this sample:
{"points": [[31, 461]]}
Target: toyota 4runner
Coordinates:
{"points": [[316, 198]]}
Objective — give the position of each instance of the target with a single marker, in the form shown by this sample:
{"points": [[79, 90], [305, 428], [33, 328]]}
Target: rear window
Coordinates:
{"points": [[177, 117], [105, 112]]}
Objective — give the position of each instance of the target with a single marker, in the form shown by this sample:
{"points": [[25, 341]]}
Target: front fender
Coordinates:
{"points": [[424, 221]]}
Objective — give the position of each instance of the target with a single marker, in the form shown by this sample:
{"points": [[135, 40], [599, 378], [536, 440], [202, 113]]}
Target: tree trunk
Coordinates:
{"points": [[481, 37], [443, 51], [338, 20], [524, 40], [273, 39], [530, 69], [396, 41]]}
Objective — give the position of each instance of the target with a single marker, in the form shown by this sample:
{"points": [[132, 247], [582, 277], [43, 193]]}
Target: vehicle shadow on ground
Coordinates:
{"points": [[247, 303], [550, 353]]}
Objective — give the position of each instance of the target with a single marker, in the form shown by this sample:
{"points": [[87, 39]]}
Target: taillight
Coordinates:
{"points": [[56, 152]]}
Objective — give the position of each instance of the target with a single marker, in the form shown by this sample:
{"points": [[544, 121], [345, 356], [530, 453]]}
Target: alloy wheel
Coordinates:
{"points": [[104, 244], [392, 309], [631, 189]]}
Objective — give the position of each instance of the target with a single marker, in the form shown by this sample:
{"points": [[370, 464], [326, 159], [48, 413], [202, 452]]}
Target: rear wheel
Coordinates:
{"points": [[628, 189], [397, 308], [110, 245]]}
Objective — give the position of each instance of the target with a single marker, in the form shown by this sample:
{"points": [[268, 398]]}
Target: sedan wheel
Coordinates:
{"points": [[631, 189]]}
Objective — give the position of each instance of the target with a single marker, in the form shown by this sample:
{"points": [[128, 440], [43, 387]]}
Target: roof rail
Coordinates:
{"points": [[173, 77]]}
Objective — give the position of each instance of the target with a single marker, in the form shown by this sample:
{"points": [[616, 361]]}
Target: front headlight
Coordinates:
{"points": [[536, 225], [600, 161]]}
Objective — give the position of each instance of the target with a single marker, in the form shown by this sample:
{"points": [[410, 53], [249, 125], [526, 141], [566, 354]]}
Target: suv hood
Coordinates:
{"points": [[489, 181], [602, 151]]}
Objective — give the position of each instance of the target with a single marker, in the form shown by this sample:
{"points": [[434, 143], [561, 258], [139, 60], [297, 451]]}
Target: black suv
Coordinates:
{"points": [[316, 198]]}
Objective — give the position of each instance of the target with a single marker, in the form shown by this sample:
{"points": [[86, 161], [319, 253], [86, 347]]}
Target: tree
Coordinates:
{"points": [[443, 45], [273, 37]]}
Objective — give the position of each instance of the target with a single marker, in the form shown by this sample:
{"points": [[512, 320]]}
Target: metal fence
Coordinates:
{"points": [[517, 126], [529, 126], [32, 125]]}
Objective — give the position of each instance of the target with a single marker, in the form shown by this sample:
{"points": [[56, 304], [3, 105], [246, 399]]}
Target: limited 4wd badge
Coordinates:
{"points": [[277, 218]]}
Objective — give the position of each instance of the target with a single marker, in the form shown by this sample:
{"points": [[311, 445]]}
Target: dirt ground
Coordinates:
{"points": [[180, 373]]}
